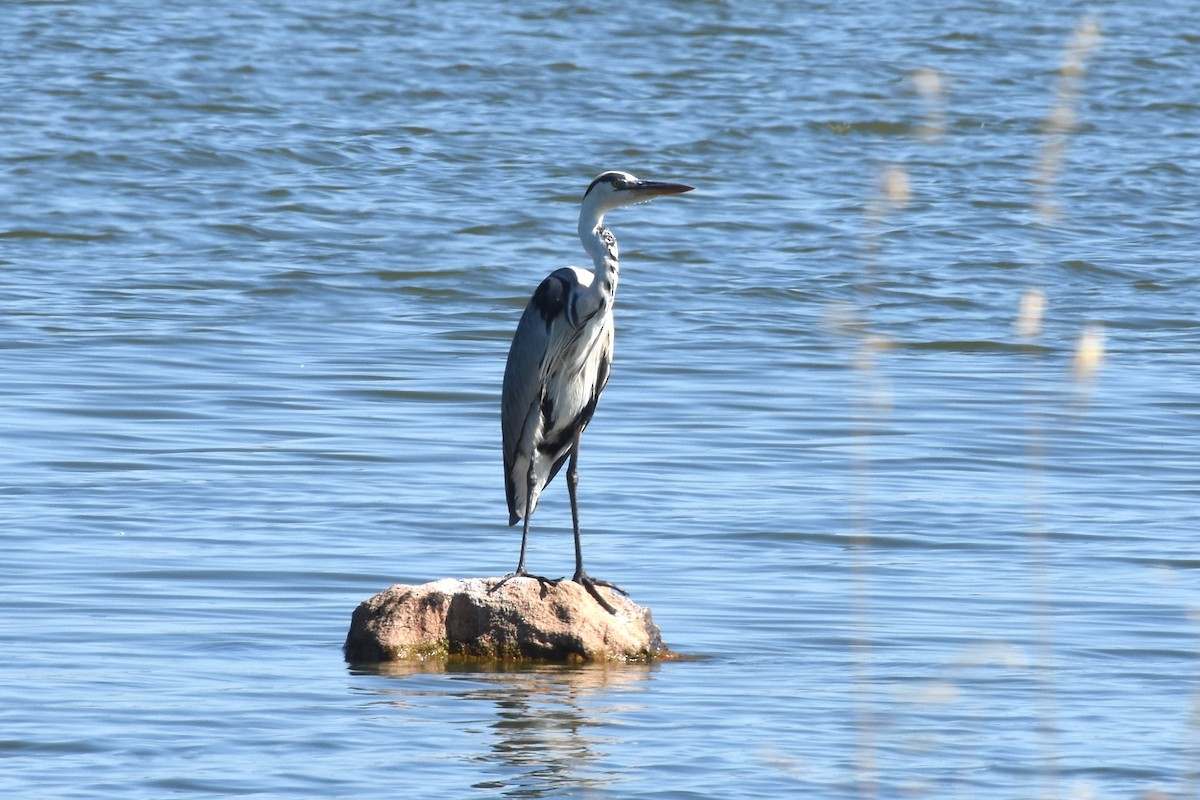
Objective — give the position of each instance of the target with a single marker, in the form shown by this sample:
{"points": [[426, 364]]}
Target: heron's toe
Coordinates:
{"points": [[590, 584]]}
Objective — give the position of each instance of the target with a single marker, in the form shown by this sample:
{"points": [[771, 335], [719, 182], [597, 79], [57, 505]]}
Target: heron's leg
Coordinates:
{"points": [[521, 572], [581, 577], [524, 540]]}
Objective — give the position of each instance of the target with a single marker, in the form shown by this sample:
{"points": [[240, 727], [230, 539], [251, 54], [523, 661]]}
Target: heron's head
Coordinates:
{"points": [[615, 189]]}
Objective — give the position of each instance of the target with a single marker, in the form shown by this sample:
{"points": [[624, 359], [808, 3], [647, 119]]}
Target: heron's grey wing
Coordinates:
{"points": [[534, 343]]}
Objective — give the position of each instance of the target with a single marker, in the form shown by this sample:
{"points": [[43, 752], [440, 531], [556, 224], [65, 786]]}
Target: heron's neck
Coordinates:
{"points": [[601, 245]]}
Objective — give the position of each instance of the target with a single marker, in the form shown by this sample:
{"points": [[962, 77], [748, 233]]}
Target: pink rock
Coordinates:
{"points": [[522, 620]]}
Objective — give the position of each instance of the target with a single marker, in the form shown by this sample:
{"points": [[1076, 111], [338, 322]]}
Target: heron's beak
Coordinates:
{"points": [[645, 190]]}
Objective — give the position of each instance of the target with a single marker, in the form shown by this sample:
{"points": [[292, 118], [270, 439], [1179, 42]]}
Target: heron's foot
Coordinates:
{"points": [[591, 583], [520, 573]]}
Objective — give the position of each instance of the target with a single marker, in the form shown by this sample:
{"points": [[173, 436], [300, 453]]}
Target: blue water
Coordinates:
{"points": [[259, 266]]}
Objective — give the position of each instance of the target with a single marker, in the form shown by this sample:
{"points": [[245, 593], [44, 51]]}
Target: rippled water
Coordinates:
{"points": [[259, 265]]}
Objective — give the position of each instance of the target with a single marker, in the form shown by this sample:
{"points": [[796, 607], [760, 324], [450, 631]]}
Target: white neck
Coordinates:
{"points": [[601, 245]]}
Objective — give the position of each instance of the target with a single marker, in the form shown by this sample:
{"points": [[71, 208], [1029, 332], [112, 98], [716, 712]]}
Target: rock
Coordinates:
{"points": [[521, 621]]}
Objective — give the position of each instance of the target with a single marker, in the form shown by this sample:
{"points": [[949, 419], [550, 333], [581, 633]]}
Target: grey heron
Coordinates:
{"points": [[558, 364]]}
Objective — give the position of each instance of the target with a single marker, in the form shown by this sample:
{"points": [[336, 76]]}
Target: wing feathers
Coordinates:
{"points": [[557, 366]]}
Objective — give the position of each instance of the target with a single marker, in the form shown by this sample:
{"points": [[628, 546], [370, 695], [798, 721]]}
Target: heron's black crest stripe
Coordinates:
{"points": [[615, 178]]}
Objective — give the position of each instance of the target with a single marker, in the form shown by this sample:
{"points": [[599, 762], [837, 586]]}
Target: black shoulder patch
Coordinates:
{"points": [[550, 298]]}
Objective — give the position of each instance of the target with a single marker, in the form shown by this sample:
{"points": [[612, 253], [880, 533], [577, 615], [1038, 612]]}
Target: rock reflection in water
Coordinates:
{"points": [[546, 735]]}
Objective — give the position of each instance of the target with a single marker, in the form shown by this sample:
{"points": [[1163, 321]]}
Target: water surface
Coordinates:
{"points": [[259, 266]]}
